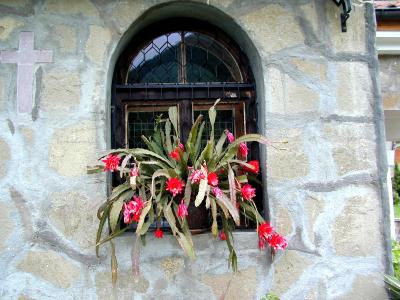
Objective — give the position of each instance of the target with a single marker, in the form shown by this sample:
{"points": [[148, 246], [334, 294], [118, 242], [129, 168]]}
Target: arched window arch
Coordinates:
{"points": [[184, 57], [188, 63]]}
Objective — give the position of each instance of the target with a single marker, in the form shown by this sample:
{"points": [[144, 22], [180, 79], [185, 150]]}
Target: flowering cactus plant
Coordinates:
{"points": [[160, 182]]}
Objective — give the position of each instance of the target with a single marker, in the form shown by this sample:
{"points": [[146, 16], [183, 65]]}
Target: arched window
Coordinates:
{"points": [[187, 63]]}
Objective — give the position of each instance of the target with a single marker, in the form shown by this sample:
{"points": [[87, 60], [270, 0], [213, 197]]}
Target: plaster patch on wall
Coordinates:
{"points": [[66, 37], [366, 288], [287, 270], [72, 148], [51, 267], [6, 224], [354, 40], [126, 285], [359, 213], [28, 135], [290, 163], [172, 266], [315, 69], [82, 7], [314, 207], [353, 89], [283, 221], [352, 147], [97, 44], [233, 286], [71, 213], [61, 91], [265, 24], [8, 25], [5, 157]]}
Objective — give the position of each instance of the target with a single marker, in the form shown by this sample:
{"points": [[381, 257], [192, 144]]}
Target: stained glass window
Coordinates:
{"points": [[140, 123], [183, 57]]}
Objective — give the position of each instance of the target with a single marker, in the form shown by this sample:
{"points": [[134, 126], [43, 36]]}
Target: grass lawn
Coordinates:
{"points": [[397, 211]]}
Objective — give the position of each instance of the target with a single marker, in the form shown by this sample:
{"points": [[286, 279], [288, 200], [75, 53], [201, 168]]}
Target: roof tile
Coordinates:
{"points": [[379, 4]]}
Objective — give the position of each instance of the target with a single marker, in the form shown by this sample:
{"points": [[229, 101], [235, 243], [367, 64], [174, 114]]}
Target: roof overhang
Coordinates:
{"points": [[388, 42]]}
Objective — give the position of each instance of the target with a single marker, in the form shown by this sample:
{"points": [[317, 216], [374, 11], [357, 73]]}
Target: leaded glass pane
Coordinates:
{"points": [[207, 60], [141, 123], [183, 57], [225, 120], [159, 61]]}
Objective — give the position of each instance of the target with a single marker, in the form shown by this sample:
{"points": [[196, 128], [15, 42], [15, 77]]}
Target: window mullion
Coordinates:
{"points": [[182, 59], [185, 114]]}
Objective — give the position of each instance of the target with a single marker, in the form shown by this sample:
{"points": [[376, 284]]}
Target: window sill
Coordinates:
{"points": [[244, 240]]}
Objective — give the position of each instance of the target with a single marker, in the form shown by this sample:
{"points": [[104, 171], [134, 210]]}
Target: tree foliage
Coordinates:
{"points": [[396, 185]]}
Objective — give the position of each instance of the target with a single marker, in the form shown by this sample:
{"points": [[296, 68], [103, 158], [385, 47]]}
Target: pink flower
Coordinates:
{"points": [[248, 192], [277, 242], [212, 179], [158, 233], [182, 210], [229, 135], [243, 150], [181, 146], [217, 192], [134, 172], [175, 186], [255, 167], [132, 210], [222, 235], [196, 176], [111, 162], [265, 231], [175, 155]]}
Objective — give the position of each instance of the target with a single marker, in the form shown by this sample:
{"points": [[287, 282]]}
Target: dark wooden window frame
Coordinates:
{"points": [[185, 95]]}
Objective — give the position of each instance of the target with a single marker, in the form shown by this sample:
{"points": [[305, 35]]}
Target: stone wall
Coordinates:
{"points": [[390, 81], [317, 89]]}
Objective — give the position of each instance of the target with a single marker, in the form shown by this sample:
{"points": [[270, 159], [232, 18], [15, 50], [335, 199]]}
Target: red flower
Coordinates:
{"points": [[222, 235], [255, 167], [182, 210], [243, 150], [212, 179], [229, 135], [261, 244], [111, 162], [132, 210], [221, 171], [175, 186], [265, 231], [158, 233], [248, 192], [175, 155], [238, 205], [277, 242], [196, 176], [217, 192]]}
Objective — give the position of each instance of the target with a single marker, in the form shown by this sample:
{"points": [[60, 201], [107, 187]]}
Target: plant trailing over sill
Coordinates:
{"points": [[162, 181]]}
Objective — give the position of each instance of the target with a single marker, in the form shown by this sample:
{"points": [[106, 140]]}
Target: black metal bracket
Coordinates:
{"points": [[346, 5]]}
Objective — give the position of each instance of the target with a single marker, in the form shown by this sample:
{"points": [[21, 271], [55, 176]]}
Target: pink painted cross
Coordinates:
{"points": [[25, 57]]}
